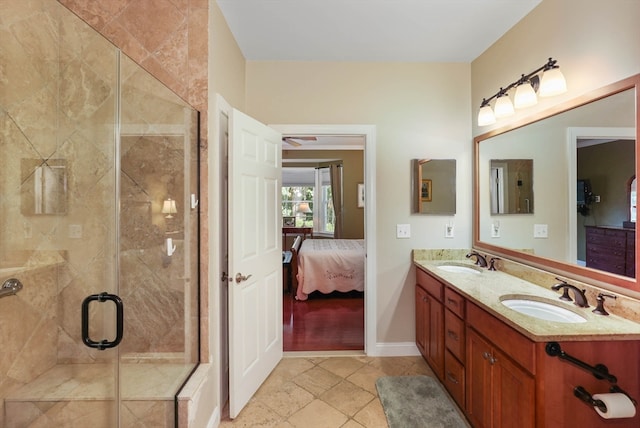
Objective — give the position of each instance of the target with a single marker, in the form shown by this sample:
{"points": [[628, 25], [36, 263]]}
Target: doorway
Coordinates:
{"points": [[323, 320], [219, 242]]}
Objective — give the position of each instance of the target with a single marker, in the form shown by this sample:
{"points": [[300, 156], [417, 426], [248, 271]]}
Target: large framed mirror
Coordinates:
{"points": [[584, 154]]}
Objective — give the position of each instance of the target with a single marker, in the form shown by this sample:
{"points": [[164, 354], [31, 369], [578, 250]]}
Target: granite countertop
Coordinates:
{"points": [[486, 288]]}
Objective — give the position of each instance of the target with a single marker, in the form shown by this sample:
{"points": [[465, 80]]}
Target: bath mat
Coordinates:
{"points": [[417, 401]]}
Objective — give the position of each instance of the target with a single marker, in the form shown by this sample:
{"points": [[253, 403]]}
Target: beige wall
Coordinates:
{"points": [[595, 43], [420, 111]]}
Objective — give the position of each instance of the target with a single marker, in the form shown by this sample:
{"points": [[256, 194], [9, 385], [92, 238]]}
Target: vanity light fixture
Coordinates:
{"points": [[551, 83], [169, 208]]}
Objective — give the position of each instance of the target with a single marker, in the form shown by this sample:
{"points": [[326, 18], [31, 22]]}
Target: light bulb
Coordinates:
{"points": [[486, 116], [503, 107], [525, 96], [552, 83]]}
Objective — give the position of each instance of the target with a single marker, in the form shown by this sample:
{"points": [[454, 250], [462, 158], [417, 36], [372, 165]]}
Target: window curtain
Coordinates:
{"points": [[336, 193]]}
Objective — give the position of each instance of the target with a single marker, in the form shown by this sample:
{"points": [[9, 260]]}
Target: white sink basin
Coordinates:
{"points": [[542, 310], [459, 269]]}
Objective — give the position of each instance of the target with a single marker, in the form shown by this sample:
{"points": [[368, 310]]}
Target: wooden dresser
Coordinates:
{"points": [[611, 249]]}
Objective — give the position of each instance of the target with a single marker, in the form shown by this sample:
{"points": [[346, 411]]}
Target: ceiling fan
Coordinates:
{"points": [[295, 141]]}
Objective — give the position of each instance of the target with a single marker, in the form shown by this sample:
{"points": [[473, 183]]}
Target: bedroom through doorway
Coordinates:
{"points": [[322, 202]]}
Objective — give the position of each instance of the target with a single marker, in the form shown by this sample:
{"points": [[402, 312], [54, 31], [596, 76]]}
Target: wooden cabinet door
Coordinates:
{"points": [[435, 336], [478, 378], [513, 393], [421, 320]]}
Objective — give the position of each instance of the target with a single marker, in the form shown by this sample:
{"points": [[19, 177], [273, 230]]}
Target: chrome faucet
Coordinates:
{"points": [[578, 295], [480, 260]]}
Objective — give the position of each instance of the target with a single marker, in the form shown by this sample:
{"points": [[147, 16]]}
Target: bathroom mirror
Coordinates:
{"points": [[43, 187], [511, 186], [550, 236], [434, 186]]}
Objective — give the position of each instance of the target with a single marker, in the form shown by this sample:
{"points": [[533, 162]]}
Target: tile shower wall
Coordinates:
{"points": [[58, 102], [169, 39]]}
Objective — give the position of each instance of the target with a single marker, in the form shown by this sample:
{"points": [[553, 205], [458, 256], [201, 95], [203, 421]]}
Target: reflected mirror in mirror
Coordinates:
{"points": [[601, 126], [44, 187], [511, 182], [434, 186]]}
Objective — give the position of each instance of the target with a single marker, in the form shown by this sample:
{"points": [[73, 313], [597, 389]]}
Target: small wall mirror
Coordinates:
{"points": [[511, 182], [44, 187], [434, 186]]}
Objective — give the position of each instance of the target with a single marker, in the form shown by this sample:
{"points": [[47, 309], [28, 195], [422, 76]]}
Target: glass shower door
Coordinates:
{"points": [[99, 299], [58, 219]]}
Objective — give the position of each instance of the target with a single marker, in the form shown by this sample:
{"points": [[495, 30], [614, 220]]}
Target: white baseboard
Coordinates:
{"points": [[395, 349]]}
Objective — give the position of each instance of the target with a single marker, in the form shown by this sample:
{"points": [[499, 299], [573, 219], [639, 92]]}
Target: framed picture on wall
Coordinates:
{"points": [[288, 222], [425, 190]]}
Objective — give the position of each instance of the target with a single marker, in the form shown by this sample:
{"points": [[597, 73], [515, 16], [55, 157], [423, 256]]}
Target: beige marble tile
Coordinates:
{"points": [[365, 378], [255, 414], [317, 414], [372, 415], [342, 366], [347, 397], [286, 399], [317, 380]]}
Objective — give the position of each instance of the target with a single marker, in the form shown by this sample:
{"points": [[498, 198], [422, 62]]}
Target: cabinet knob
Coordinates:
{"points": [[452, 378]]}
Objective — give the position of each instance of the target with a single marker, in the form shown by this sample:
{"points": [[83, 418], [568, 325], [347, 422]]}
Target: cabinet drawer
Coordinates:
{"points": [[430, 284], [454, 334], [454, 302], [454, 378], [512, 343]]}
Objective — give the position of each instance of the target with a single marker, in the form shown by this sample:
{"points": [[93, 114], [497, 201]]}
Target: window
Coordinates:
{"points": [[306, 195]]}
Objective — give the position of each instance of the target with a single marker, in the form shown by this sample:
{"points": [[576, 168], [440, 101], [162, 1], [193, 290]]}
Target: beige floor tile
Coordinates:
{"points": [[317, 380], [372, 416], [343, 366], [392, 366], [347, 397], [255, 415], [286, 400], [365, 377], [318, 414], [352, 424]]}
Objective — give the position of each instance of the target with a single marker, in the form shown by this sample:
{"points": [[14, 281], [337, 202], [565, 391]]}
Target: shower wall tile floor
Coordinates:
{"points": [[324, 392]]}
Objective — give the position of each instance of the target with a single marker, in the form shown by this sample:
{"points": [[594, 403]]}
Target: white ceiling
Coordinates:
{"points": [[370, 30]]}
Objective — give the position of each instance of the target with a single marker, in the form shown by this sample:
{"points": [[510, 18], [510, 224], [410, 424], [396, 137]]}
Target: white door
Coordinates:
{"points": [[255, 262]]}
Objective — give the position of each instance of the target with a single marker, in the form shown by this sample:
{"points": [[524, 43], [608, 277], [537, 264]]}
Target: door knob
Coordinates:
{"points": [[240, 277]]}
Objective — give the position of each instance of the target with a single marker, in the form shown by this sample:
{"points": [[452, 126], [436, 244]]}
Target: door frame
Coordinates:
{"points": [[369, 133]]}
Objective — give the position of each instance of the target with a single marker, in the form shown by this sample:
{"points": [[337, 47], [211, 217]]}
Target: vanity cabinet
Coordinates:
{"points": [[454, 340], [430, 321], [502, 378], [611, 249], [500, 387]]}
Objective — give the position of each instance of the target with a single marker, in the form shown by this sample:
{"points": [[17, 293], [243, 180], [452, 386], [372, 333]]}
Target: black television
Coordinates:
{"points": [[584, 196]]}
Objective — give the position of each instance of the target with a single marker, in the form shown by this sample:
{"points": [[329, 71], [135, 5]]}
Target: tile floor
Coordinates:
{"points": [[324, 392]]}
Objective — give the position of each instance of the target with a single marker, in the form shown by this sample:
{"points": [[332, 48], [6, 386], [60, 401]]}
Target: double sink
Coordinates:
{"points": [[540, 308]]}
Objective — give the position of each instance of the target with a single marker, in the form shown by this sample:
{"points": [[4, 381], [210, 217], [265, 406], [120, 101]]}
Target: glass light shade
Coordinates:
{"points": [[503, 107], [486, 116], [303, 207], [169, 208], [552, 83], [525, 96]]}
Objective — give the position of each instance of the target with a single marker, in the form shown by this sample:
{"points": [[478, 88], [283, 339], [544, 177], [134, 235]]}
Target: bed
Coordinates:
{"points": [[328, 265]]}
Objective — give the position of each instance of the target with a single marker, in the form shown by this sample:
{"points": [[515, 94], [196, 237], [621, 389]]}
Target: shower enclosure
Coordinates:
{"points": [[98, 229]]}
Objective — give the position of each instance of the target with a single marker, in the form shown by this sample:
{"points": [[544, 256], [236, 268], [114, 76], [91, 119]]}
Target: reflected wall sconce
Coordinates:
{"points": [[169, 208], [528, 87]]}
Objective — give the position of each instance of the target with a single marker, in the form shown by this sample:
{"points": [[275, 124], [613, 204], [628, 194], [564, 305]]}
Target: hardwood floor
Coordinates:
{"points": [[331, 322]]}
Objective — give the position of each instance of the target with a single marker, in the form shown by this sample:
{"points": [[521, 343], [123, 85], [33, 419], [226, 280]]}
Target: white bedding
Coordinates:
{"points": [[328, 265]]}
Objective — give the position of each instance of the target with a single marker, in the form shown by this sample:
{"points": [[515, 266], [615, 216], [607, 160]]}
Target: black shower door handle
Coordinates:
{"points": [[102, 297]]}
